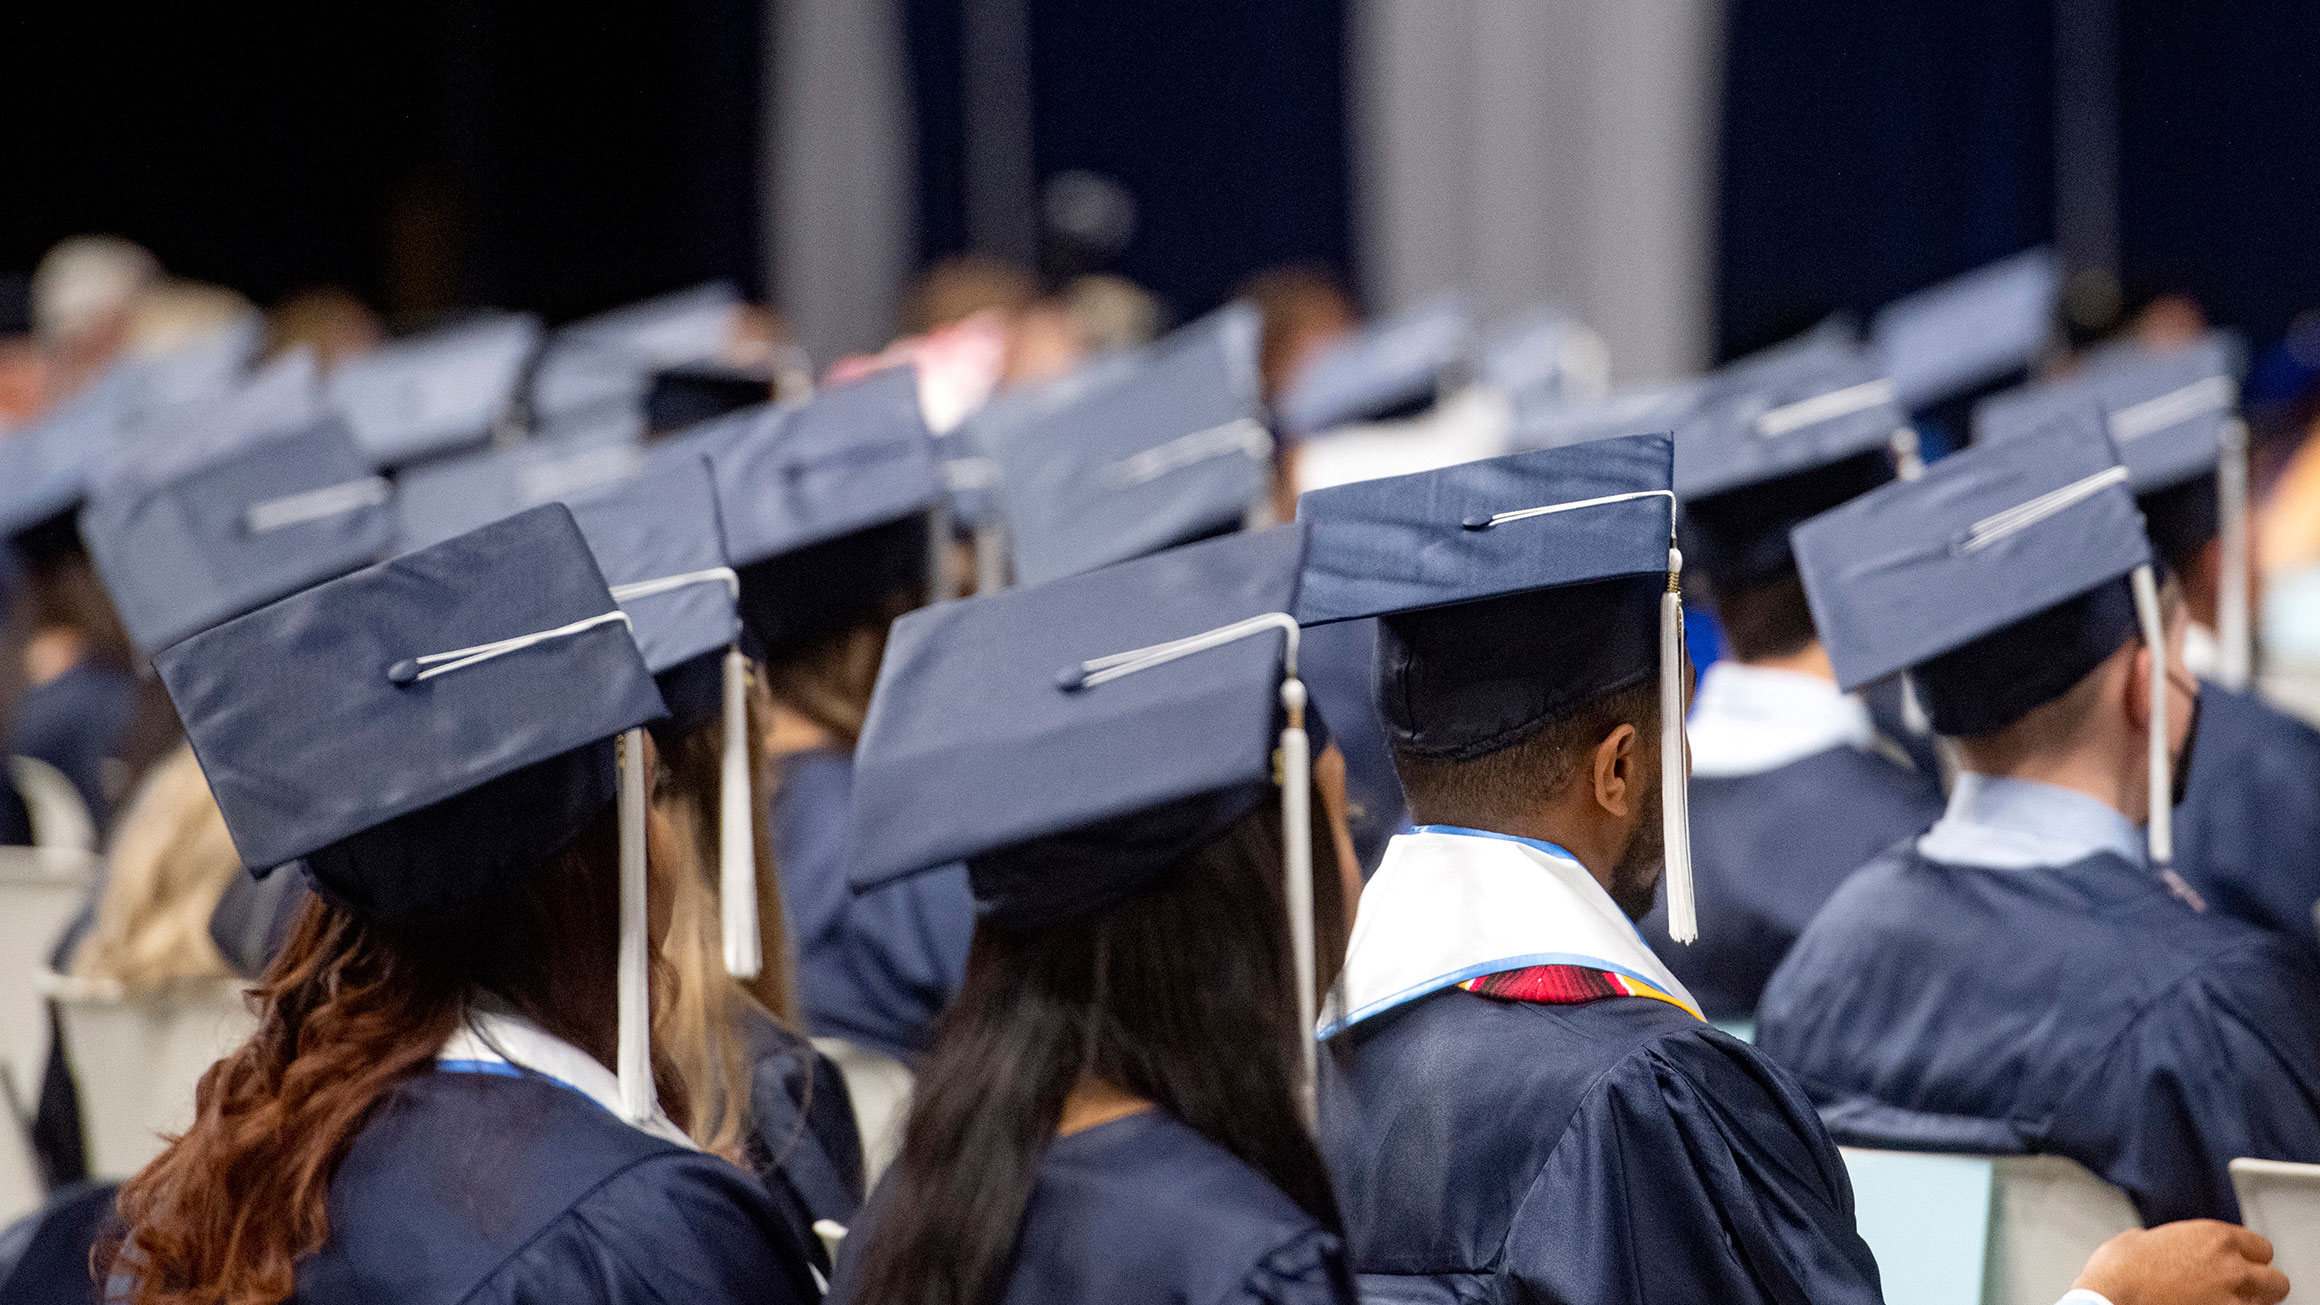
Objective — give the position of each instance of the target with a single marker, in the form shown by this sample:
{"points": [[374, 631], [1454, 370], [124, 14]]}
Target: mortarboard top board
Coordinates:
{"points": [[45, 469], [2013, 531], [201, 367], [825, 507], [1640, 411], [436, 392], [656, 538], [1964, 333], [610, 358], [452, 496], [422, 731], [163, 442], [1065, 791], [1134, 453], [280, 512], [1391, 366], [1545, 355]]}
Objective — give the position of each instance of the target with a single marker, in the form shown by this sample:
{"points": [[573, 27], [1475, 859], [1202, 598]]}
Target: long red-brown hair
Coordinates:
{"points": [[351, 1007]]}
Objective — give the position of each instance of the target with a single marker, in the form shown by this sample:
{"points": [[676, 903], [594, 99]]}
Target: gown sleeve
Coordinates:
{"points": [[2228, 1067], [675, 1229], [1309, 1270], [1693, 1171]]}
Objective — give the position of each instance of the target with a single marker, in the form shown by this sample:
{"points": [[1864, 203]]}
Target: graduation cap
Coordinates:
{"points": [[1753, 464], [435, 393], [45, 470], [609, 359], [1957, 336], [236, 532], [1515, 591], [693, 392], [1996, 580], [200, 367], [1546, 355], [1391, 367], [426, 731], [452, 496], [657, 540], [1657, 408], [826, 508], [1088, 733], [159, 443], [2172, 416], [1134, 453]]}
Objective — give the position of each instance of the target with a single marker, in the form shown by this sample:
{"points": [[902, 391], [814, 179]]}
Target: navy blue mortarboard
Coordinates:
{"points": [[202, 367], [610, 359], [166, 441], [694, 392], [434, 393], [1515, 591], [825, 507], [1393, 366], [1950, 339], [2000, 578], [1753, 464], [452, 496], [1656, 409], [1546, 356], [1132, 454], [659, 544], [426, 731], [45, 471], [239, 531]]}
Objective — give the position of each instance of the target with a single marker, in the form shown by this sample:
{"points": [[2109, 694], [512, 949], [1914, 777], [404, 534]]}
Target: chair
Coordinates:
{"points": [[2282, 1201], [137, 1059], [1961, 1230], [41, 890], [22, 1188], [59, 817], [880, 1086]]}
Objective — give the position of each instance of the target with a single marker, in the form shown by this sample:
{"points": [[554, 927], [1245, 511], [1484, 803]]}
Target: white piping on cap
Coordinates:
{"points": [[2162, 821], [1102, 670], [1796, 416], [2014, 520], [636, 589], [1243, 435], [1525, 514], [2136, 420], [411, 672], [316, 504]]}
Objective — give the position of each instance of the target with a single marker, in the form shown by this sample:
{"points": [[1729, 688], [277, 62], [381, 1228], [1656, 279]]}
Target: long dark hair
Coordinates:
{"points": [[351, 1007], [1183, 995]]}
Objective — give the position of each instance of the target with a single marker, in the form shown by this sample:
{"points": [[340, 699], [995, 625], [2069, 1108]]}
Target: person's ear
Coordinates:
{"points": [[2140, 668], [1613, 771]]}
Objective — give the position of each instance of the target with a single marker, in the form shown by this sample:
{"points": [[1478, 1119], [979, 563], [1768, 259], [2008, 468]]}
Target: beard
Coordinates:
{"points": [[1636, 874]]}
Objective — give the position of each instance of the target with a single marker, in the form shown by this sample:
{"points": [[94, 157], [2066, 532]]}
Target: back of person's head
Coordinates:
{"points": [[2046, 686], [86, 286], [1182, 995], [171, 860], [328, 320], [1305, 309], [962, 285]]}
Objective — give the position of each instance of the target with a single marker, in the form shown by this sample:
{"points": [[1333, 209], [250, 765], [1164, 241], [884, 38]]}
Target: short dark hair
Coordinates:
{"points": [[1767, 620], [1490, 790]]}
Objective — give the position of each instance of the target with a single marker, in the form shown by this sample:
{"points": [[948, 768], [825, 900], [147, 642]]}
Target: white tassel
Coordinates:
{"points": [[2235, 662], [639, 1101], [736, 828], [1908, 454], [1297, 853], [942, 580], [1675, 799], [2162, 827], [990, 555]]}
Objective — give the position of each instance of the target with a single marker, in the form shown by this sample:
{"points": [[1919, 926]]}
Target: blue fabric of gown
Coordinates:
{"points": [[875, 969], [1612, 1152], [2080, 1010], [76, 722], [803, 1144], [1768, 850], [2247, 834]]}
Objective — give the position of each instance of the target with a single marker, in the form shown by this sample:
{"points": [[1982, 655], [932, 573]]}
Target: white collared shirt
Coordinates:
{"points": [[2022, 824], [1747, 720], [1448, 905], [495, 1040]]}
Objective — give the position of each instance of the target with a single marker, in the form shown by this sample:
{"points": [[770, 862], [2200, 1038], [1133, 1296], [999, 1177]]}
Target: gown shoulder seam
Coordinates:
{"points": [[493, 1275]]}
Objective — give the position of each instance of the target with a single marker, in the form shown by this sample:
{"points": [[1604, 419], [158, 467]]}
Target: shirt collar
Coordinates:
{"points": [[2022, 824], [495, 1040], [1750, 719]]}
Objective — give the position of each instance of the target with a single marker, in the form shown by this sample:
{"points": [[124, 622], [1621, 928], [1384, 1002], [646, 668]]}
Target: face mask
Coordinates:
{"points": [[2182, 777]]}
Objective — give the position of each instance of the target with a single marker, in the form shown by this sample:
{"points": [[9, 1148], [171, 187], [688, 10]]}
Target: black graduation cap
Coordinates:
{"points": [[1514, 591], [608, 360], [434, 393], [1133, 453], [693, 392], [825, 506], [237, 532]]}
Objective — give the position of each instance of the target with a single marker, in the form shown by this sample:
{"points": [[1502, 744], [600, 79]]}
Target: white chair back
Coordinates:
{"points": [[880, 1087], [2282, 1201], [1981, 1230], [2047, 1215], [41, 889], [21, 1189], [59, 817], [137, 1060]]}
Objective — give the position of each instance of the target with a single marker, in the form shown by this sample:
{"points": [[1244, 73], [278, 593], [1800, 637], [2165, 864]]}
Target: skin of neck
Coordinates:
{"points": [[1812, 659], [1593, 815], [1092, 1102]]}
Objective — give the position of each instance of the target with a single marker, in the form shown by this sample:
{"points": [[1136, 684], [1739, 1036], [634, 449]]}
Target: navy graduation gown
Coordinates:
{"points": [[2247, 834], [492, 1189], [76, 722], [2079, 1010], [44, 1257], [877, 968], [1145, 1211], [1617, 1151], [1768, 849], [803, 1141]]}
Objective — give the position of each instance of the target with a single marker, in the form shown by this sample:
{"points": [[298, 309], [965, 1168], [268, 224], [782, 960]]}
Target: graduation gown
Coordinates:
{"points": [[76, 722], [803, 1142], [483, 1184], [2247, 834], [44, 1257], [1620, 1150], [1767, 851], [873, 969], [1145, 1211], [2077, 1009]]}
